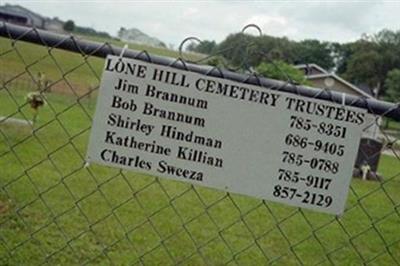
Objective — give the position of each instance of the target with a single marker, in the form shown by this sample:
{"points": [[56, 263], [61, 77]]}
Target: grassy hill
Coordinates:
{"points": [[26, 60]]}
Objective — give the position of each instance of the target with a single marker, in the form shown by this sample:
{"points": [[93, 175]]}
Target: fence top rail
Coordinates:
{"points": [[91, 48]]}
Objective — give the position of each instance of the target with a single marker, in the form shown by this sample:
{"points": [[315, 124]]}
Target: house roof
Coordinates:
{"points": [[13, 14], [312, 65], [336, 77], [35, 19], [20, 10], [326, 74], [366, 89]]}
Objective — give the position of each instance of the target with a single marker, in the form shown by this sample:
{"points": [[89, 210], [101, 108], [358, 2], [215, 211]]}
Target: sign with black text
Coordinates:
{"points": [[226, 135]]}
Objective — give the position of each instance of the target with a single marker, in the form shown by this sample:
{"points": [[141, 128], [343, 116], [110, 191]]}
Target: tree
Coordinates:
{"points": [[365, 67], [366, 61], [69, 25], [281, 71], [392, 84], [233, 48], [372, 57], [205, 47], [121, 31], [244, 50], [389, 50], [340, 54], [314, 51]]}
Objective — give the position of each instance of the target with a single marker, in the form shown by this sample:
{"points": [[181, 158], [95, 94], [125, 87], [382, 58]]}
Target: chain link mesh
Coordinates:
{"points": [[54, 210]]}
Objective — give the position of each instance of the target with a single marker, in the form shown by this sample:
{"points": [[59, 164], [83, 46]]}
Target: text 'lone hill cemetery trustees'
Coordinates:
{"points": [[226, 135]]}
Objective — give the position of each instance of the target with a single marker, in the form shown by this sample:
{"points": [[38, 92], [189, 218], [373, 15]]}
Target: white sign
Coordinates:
{"points": [[223, 134]]}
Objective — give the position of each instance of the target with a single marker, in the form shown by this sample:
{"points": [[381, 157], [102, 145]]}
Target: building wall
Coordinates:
{"points": [[54, 25], [34, 19], [338, 86], [15, 19]]}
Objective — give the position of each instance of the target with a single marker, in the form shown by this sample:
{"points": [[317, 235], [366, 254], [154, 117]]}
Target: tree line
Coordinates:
{"points": [[70, 26], [372, 60]]}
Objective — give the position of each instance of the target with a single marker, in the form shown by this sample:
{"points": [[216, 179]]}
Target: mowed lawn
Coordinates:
{"points": [[20, 60], [55, 211]]}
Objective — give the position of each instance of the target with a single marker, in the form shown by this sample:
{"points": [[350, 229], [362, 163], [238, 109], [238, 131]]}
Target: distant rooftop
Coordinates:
{"points": [[313, 71]]}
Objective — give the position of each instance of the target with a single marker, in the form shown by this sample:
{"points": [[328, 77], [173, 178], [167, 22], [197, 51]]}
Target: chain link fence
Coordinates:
{"points": [[56, 211]]}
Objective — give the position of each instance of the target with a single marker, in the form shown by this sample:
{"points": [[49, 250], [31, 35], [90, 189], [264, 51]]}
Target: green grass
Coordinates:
{"points": [[54, 210], [391, 128], [390, 124], [73, 215], [27, 60], [394, 125]]}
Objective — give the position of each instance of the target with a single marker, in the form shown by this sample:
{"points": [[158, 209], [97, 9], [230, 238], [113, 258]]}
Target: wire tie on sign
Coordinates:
{"points": [[343, 99], [123, 51], [86, 165]]}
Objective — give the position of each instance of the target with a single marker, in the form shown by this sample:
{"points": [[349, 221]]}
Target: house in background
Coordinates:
{"points": [[14, 18], [321, 78], [17, 14]]}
